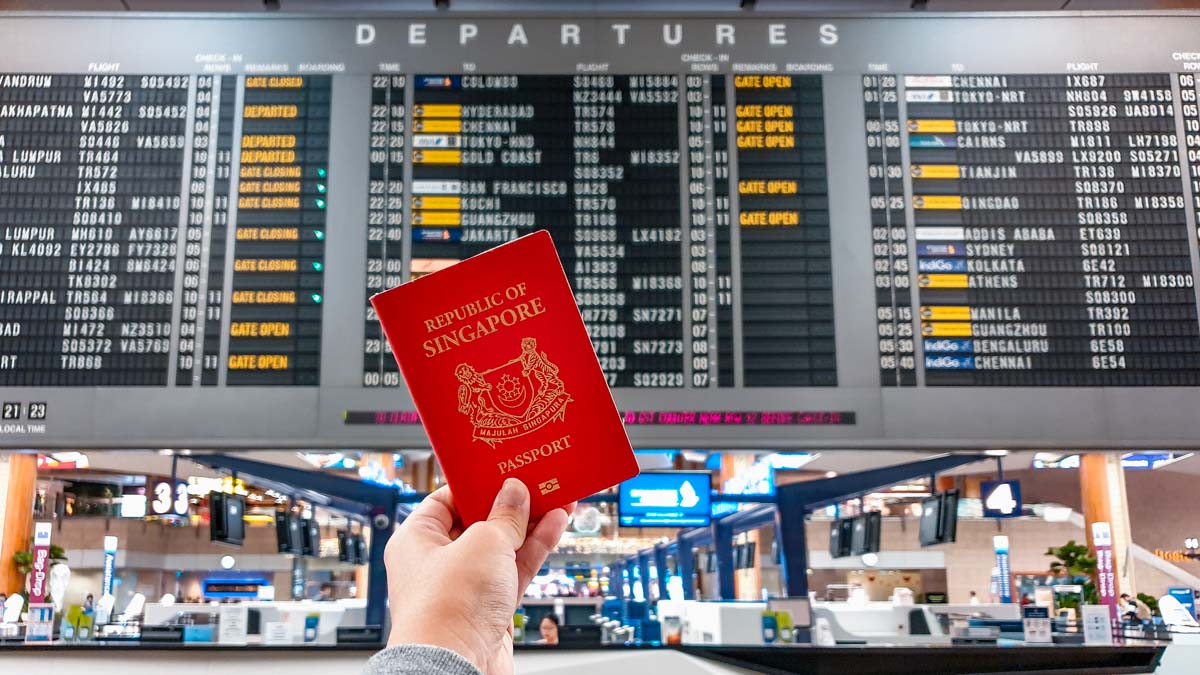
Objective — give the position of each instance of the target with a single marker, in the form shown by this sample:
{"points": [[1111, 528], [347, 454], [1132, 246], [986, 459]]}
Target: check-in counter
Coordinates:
{"points": [[712, 659]]}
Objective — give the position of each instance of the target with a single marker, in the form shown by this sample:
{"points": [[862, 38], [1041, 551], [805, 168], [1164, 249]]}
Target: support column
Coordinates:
{"points": [[1102, 488], [18, 485], [722, 545]]}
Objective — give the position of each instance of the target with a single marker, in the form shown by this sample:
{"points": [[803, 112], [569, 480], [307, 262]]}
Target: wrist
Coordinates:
{"points": [[457, 639]]}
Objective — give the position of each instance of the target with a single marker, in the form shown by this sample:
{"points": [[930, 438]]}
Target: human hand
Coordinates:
{"points": [[459, 589]]}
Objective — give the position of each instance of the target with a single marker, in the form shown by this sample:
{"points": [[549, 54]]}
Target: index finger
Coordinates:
{"points": [[435, 513]]}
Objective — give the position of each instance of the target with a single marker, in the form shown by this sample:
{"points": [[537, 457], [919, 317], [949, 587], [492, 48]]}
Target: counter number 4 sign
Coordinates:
{"points": [[1001, 499]]}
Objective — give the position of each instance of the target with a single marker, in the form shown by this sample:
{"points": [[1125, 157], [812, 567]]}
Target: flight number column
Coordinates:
{"points": [[889, 233], [626, 193], [385, 220], [1052, 210], [787, 279], [279, 265]]}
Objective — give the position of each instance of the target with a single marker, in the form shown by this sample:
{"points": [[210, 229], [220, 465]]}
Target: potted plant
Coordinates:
{"points": [[1075, 562]]}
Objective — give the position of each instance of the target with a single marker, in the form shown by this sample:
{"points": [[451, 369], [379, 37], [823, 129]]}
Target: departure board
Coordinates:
{"points": [[873, 231], [1052, 245]]}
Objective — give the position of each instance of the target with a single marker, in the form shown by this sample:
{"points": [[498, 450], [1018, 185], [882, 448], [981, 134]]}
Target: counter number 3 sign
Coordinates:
{"points": [[169, 500], [1001, 499]]}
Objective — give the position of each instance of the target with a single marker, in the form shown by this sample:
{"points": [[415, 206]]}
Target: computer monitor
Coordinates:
{"points": [[578, 615], [579, 635]]}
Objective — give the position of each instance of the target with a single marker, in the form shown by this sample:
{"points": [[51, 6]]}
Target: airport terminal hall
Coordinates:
{"points": [[600, 337]]}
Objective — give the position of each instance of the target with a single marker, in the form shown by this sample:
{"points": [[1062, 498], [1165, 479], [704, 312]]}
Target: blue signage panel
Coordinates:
{"points": [[110, 566], [1003, 577], [1185, 598], [668, 499], [1001, 499]]}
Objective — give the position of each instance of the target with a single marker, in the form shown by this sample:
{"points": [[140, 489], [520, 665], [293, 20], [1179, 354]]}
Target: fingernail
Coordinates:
{"points": [[512, 493]]}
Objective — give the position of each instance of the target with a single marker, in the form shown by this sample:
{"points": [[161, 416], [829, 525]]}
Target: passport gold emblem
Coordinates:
{"points": [[546, 487], [514, 398]]}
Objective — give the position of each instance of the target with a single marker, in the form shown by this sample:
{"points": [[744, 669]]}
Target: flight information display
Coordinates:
{"points": [[849, 232], [1050, 229]]}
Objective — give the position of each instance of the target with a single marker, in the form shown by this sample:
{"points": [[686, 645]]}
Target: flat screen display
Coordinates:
{"points": [[226, 513], [840, 535], [931, 521], [666, 499], [289, 537], [865, 533]]}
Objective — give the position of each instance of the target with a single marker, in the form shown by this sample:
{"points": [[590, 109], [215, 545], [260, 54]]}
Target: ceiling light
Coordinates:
{"points": [[996, 453]]}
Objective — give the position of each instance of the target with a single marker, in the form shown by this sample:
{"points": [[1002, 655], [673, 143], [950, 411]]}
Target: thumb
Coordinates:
{"points": [[510, 512]]}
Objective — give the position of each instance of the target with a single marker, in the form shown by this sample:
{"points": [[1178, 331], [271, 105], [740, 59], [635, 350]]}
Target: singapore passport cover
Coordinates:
{"points": [[505, 379]]}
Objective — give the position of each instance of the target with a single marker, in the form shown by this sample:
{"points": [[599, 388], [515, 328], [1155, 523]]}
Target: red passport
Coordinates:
{"points": [[505, 378]]}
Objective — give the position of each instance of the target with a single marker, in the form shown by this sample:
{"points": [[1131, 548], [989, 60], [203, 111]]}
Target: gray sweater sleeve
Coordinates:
{"points": [[419, 660]]}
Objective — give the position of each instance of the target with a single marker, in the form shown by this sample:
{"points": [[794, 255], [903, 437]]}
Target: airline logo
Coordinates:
{"points": [[436, 187], [932, 141], [942, 280], [928, 81], [939, 202], [954, 234], [951, 249], [438, 82], [928, 96], [948, 362], [942, 265], [946, 313], [948, 346], [946, 329], [937, 171], [433, 234], [436, 141], [932, 126]]}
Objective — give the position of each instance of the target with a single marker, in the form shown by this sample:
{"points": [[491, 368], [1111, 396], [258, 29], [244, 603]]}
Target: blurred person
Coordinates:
{"points": [[549, 630], [974, 600], [326, 593], [453, 591], [1135, 611]]}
